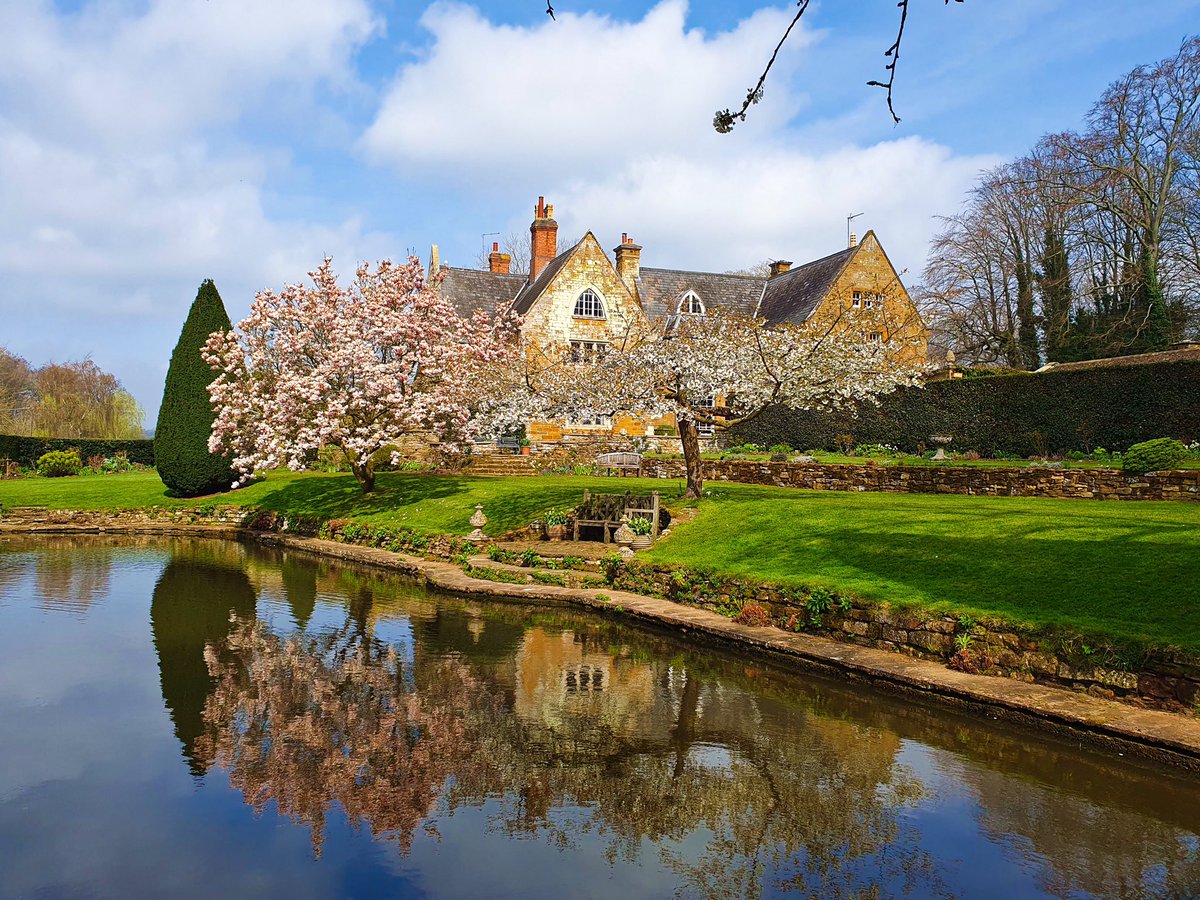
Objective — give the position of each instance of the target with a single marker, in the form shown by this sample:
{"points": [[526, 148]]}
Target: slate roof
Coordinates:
{"points": [[471, 289], [661, 290], [793, 295], [529, 294], [789, 297]]}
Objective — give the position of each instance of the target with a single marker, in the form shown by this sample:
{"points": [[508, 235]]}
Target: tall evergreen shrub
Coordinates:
{"points": [[185, 418]]}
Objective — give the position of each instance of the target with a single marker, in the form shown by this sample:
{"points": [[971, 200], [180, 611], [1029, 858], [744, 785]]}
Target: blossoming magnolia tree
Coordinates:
{"points": [[696, 360], [354, 368]]}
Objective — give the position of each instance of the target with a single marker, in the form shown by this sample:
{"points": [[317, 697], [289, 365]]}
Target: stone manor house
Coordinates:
{"points": [[580, 299]]}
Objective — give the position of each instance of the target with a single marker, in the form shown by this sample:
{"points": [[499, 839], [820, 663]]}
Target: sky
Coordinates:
{"points": [[146, 145]]}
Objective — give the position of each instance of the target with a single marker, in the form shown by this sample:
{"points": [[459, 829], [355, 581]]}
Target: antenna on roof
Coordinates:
{"points": [[483, 251], [850, 219]]}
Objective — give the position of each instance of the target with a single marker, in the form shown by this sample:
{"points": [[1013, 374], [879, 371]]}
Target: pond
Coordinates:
{"points": [[203, 718]]}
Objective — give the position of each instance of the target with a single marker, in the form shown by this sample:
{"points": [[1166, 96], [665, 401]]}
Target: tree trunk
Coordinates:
{"points": [[689, 436], [365, 473]]}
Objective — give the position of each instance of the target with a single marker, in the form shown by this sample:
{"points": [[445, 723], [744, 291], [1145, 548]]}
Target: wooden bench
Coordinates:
{"points": [[607, 511], [621, 462]]}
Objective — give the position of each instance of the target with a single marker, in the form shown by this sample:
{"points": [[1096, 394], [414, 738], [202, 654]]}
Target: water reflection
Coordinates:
{"points": [[201, 589], [70, 579], [331, 697]]}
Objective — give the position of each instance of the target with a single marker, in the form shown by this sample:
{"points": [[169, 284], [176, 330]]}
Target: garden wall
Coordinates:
{"points": [[1024, 481], [1025, 414], [1156, 677], [26, 450]]}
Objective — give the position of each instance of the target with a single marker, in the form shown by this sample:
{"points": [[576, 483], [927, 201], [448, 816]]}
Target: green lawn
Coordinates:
{"points": [[1126, 569]]}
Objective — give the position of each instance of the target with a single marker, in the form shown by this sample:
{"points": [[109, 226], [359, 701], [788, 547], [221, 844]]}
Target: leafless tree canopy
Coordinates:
{"points": [[1089, 245]]}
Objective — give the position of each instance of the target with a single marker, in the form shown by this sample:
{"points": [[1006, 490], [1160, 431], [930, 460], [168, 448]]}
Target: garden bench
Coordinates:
{"points": [[509, 442], [622, 462], [606, 511]]}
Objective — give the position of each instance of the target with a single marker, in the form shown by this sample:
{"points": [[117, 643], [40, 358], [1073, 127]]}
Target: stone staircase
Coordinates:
{"points": [[500, 465]]}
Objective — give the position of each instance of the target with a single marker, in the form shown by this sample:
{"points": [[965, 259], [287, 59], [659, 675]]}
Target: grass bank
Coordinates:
{"points": [[1125, 569]]}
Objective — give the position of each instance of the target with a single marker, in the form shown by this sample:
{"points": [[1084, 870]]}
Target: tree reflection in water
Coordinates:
{"points": [[652, 751]]}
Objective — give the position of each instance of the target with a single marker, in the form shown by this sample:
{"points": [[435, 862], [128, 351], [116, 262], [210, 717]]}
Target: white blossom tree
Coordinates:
{"points": [[357, 368], [679, 370]]}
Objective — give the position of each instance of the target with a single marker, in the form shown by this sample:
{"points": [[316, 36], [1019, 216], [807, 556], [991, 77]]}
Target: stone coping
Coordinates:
{"points": [[1165, 737]]}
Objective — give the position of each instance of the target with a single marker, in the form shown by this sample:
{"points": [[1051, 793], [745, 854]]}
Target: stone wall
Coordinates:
{"points": [[41, 519], [1161, 678], [1032, 481]]}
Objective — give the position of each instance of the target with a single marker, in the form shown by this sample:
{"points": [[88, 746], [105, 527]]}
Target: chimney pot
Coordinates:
{"points": [[629, 261], [853, 239], [543, 239], [495, 246]]}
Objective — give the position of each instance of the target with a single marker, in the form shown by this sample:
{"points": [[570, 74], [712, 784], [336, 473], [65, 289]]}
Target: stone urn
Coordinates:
{"points": [[941, 440], [642, 542], [556, 532], [478, 520]]}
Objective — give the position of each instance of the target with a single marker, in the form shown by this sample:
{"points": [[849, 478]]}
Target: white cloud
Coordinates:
{"points": [[612, 122], [773, 202], [123, 182], [578, 94]]}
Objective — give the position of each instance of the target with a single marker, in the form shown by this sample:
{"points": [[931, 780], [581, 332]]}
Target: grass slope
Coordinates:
{"points": [[1126, 569]]}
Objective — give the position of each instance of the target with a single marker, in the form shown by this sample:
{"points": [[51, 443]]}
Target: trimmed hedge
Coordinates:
{"points": [[1027, 414], [28, 450]]}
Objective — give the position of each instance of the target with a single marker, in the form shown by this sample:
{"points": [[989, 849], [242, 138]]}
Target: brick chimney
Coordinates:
{"points": [[543, 238], [780, 266], [629, 261], [498, 262]]}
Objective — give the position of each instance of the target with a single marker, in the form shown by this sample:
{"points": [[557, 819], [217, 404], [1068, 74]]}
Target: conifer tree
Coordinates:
{"points": [[186, 416]]}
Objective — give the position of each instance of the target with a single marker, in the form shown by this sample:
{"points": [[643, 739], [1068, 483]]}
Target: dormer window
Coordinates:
{"points": [[589, 306], [691, 304]]}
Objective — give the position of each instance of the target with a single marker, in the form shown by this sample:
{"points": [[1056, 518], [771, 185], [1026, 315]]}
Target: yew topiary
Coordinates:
{"points": [[185, 419]]}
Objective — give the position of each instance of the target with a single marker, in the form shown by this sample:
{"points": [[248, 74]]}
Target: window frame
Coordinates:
{"points": [[691, 298], [599, 302]]}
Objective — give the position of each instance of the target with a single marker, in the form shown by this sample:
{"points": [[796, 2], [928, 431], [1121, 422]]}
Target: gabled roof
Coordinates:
{"points": [[470, 290], [661, 289], [793, 295], [530, 293]]}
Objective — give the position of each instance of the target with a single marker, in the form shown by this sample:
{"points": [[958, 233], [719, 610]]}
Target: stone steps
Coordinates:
{"points": [[500, 465]]}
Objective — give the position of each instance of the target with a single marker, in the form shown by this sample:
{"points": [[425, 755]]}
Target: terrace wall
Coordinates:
{"points": [[1014, 481]]}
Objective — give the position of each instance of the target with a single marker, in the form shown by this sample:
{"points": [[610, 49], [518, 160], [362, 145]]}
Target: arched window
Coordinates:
{"points": [[588, 306], [691, 303]]}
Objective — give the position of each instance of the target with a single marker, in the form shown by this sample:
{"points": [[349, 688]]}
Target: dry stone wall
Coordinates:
{"points": [[1150, 677], [1033, 481]]}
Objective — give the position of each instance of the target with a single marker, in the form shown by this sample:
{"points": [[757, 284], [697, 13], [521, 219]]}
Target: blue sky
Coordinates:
{"points": [[146, 145]]}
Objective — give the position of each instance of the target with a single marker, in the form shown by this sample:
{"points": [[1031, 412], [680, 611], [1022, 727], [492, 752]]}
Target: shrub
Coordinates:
{"points": [[775, 449], [58, 463], [27, 450], [1154, 456], [753, 614], [186, 417]]}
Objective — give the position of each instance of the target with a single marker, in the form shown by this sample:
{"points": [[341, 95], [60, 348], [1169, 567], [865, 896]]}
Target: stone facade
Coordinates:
{"points": [[1024, 481], [855, 289]]}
